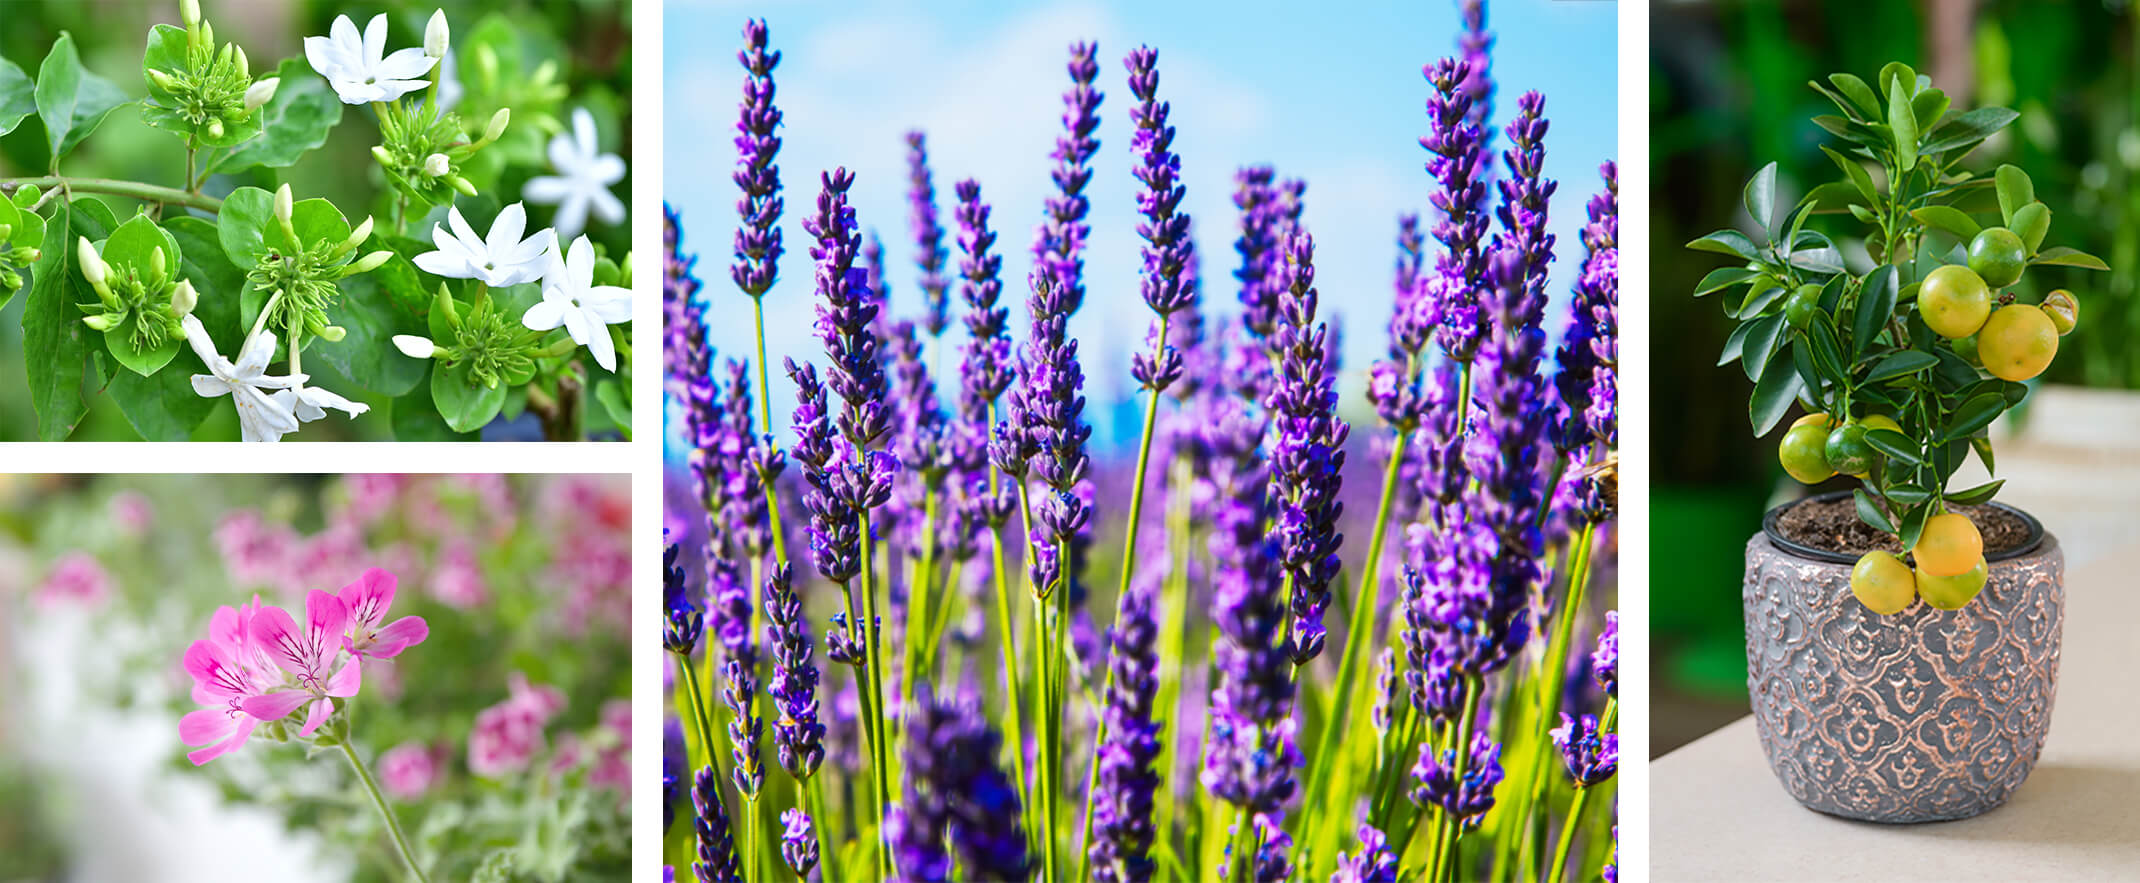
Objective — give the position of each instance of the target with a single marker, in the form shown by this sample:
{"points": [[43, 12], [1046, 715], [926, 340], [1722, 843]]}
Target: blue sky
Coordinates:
{"points": [[1334, 96]]}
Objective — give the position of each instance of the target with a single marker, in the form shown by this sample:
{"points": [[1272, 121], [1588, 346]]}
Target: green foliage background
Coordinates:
{"points": [[590, 40]]}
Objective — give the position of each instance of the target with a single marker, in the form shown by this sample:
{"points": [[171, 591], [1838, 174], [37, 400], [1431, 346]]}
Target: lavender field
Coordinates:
{"points": [[981, 574]]}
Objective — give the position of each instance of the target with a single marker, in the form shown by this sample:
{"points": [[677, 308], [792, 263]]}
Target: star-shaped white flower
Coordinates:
{"points": [[358, 67], [260, 416], [584, 176], [501, 259], [570, 298], [310, 403]]}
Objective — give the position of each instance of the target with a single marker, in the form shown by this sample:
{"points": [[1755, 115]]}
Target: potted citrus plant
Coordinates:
{"points": [[1903, 635]]}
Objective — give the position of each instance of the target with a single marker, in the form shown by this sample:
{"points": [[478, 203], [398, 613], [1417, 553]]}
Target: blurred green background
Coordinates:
{"points": [[589, 39], [1728, 94]]}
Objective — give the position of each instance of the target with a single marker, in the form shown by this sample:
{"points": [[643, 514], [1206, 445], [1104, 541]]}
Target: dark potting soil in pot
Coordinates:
{"points": [[1833, 525]]}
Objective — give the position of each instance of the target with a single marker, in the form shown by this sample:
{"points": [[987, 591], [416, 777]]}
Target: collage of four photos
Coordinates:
{"points": [[1088, 441]]}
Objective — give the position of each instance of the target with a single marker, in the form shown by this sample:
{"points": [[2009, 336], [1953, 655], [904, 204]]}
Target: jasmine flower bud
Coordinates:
{"points": [[330, 333], [369, 262], [245, 68], [6, 230], [100, 321], [285, 203], [183, 297], [415, 347], [157, 265], [436, 35], [32, 255], [357, 236], [462, 184], [189, 11], [93, 268], [259, 94], [437, 164], [496, 129], [215, 128], [379, 153], [162, 80]]}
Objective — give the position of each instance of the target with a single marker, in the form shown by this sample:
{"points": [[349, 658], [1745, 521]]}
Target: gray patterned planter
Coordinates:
{"points": [[1927, 715]]}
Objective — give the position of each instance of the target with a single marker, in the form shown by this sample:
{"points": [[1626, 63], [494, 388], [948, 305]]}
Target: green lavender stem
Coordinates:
{"points": [[1451, 827], [393, 825], [1552, 678], [1173, 638], [874, 674]]}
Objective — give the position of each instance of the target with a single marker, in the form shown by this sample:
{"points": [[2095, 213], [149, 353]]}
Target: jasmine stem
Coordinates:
{"points": [[112, 187], [393, 825]]}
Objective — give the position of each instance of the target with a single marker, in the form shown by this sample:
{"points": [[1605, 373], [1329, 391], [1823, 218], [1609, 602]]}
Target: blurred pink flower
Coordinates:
{"points": [[369, 496], [370, 635], [228, 671], [255, 553], [509, 734], [409, 770], [312, 655], [456, 581], [329, 554], [613, 766], [76, 578], [132, 513]]}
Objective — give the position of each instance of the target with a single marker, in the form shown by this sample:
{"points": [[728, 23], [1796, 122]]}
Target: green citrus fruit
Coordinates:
{"points": [[1999, 256], [1803, 452], [1966, 347], [1954, 301], [1883, 583], [1799, 308], [1949, 545], [1952, 592], [2064, 310], [2017, 343], [1817, 418], [1848, 452]]}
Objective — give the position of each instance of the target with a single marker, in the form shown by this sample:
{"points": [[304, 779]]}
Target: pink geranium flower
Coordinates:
{"points": [[77, 578], [228, 670], [311, 655], [408, 770], [370, 635]]}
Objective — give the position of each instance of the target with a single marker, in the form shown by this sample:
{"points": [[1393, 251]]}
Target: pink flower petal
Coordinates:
{"points": [[275, 706], [239, 733], [277, 634], [369, 597], [206, 725], [345, 682], [316, 716], [399, 635], [326, 619]]}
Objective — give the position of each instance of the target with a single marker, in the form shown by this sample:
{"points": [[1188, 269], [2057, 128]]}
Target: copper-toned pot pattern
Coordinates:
{"points": [[1923, 716]]}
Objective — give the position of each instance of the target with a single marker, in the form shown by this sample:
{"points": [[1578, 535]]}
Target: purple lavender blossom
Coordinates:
{"points": [[681, 621], [798, 845], [835, 538], [739, 690], [1455, 143], [1308, 458], [1477, 45], [1274, 848], [929, 251], [758, 246], [954, 790], [672, 767], [1249, 755], [1435, 782], [1121, 807], [1605, 661], [1430, 676], [1386, 695], [1165, 228], [1612, 862], [985, 363], [1374, 864], [845, 314], [1050, 408], [1258, 246], [716, 839], [1410, 326], [679, 303], [1591, 756], [918, 434], [798, 737], [1059, 244]]}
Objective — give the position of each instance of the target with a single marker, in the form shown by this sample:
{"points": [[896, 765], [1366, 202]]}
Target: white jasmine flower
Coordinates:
{"points": [[415, 347], [310, 403], [260, 416], [358, 67], [501, 259], [570, 298], [584, 176]]}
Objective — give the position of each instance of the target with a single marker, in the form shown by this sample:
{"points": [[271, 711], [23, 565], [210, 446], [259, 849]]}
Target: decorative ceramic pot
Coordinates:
{"points": [[1927, 715]]}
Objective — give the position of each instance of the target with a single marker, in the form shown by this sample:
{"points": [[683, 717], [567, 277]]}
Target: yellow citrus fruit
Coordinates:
{"points": [[1998, 256], [1804, 454], [2064, 310], [1952, 592], [2017, 343], [1817, 418], [1883, 583], [1949, 545], [1880, 421], [1954, 301]]}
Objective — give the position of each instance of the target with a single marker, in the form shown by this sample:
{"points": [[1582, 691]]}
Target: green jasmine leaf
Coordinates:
{"points": [[415, 418], [465, 403], [18, 96], [243, 221], [294, 122], [366, 353], [52, 325], [611, 396], [70, 100]]}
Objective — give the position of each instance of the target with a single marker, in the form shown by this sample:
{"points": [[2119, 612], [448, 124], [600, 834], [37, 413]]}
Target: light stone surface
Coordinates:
{"points": [[1718, 813]]}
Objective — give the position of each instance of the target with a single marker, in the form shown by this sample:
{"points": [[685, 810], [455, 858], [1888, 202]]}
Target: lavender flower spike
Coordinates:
{"points": [[955, 791], [1591, 756], [845, 315], [1165, 229], [758, 247], [1258, 247], [1477, 45], [798, 846], [1051, 409], [681, 622], [1456, 150], [929, 251], [1374, 864], [1605, 662], [717, 861], [1121, 807], [797, 735], [1309, 458], [728, 600], [679, 303], [1435, 782], [1059, 244]]}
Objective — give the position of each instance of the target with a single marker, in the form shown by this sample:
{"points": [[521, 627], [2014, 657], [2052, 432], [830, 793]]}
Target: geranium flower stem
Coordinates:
{"points": [[393, 825], [110, 187], [1356, 632]]}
